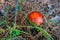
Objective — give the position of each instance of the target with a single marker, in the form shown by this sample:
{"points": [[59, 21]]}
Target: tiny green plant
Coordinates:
{"points": [[20, 7]]}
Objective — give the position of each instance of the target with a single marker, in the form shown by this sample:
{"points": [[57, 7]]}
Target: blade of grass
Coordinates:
{"points": [[44, 33], [16, 12]]}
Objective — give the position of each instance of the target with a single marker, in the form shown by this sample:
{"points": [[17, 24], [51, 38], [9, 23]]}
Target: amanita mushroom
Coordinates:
{"points": [[36, 17]]}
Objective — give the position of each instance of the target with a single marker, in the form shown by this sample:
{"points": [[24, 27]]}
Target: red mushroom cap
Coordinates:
{"points": [[36, 17]]}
